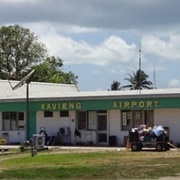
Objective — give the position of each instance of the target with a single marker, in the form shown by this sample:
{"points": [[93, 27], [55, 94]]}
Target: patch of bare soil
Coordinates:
{"points": [[177, 177]]}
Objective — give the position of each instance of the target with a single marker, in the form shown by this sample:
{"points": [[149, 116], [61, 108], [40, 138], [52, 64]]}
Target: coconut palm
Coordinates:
{"points": [[115, 86], [138, 81]]}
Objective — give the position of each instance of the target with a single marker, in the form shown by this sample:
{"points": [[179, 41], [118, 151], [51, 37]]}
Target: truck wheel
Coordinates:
{"points": [[134, 147], [159, 147]]}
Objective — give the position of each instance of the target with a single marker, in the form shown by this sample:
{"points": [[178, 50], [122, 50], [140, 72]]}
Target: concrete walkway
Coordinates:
{"points": [[69, 147]]}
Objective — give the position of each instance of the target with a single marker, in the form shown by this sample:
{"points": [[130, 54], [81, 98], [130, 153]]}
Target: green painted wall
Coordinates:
{"points": [[13, 106], [31, 124], [123, 104]]}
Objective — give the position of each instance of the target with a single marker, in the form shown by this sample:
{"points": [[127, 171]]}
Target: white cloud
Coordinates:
{"points": [[174, 83], [168, 49], [44, 27], [112, 50], [78, 29]]}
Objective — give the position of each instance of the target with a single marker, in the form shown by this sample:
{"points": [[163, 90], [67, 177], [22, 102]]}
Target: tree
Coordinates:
{"points": [[138, 81], [115, 86], [19, 50], [50, 71]]}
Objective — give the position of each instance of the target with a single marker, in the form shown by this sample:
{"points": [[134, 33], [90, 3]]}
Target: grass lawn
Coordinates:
{"points": [[90, 165]]}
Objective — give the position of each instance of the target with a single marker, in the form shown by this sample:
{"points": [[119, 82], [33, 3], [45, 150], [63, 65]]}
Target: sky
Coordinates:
{"points": [[99, 40]]}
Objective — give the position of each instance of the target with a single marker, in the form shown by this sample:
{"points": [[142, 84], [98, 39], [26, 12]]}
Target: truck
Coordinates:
{"points": [[157, 138]]}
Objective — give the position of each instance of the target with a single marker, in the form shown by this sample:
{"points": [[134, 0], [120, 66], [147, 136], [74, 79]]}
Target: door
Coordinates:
{"points": [[102, 129]]}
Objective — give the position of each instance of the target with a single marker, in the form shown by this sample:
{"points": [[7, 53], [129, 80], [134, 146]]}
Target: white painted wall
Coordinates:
{"points": [[169, 118], [72, 117], [53, 124], [165, 117], [15, 136], [115, 126]]}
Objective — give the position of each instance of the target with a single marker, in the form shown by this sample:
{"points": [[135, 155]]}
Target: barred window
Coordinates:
{"points": [[48, 114], [64, 113]]}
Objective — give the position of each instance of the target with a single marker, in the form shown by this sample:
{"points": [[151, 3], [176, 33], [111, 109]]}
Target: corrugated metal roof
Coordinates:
{"points": [[122, 94], [51, 91], [35, 89]]}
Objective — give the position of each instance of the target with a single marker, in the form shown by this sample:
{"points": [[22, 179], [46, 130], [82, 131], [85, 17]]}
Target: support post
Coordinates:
{"points": [[27, 108]]}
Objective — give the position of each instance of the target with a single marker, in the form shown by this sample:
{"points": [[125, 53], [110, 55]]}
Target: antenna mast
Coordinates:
{"points": [[154, 77], [139, 68], [139, 56]]}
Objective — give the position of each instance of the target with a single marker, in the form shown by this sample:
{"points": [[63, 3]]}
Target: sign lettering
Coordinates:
{"points": [[60, 106], [135, 104]]}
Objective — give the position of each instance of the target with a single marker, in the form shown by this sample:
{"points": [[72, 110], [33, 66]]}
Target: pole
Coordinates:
{"points": [[139, 68], [27, 107]]}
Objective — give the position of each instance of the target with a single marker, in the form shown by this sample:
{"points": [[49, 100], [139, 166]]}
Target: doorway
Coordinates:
{"points": [[102, 133]]}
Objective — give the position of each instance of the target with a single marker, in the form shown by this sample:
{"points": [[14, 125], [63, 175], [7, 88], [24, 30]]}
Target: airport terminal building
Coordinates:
{"points": [[101, 118]]}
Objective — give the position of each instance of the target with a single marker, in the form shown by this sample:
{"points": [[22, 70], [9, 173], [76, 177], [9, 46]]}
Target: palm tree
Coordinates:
{"points": [[138, 81], [115, 86]]}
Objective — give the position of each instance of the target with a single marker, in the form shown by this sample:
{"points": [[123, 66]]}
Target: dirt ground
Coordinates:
{"points": [[171, 178]]}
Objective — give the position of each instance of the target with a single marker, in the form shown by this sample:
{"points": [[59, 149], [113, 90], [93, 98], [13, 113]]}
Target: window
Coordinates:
{"points": [[92, 120], [132, 119], [21, 120], [126, 120], [11, 120], [81, 120], [48, 114], [64, 113], [21, 116]]}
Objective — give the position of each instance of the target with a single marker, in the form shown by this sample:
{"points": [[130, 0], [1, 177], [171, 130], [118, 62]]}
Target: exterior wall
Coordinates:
{"points": [[18, 136], [169, 118], [115, 127], [166, 113], [14, 136], [51, 124], [72, 116]]}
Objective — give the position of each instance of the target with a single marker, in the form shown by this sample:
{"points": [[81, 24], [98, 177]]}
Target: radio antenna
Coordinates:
{"points": [[139, 68], [154, 78]]}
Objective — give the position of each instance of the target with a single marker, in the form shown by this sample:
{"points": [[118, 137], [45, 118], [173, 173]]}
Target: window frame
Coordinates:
{"points": [[64, 113], [126, 119], [48, 114], [136, 115], [11, 121], [81, 121]]}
